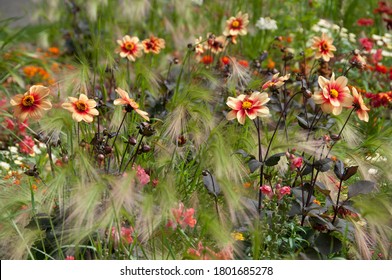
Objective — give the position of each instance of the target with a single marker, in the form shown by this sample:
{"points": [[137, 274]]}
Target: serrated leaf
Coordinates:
{"points": [[350, 171], [211, 184], [361, 187], [327, 244], [339, 169], [274, 159], [323, 165], [254, 164]]}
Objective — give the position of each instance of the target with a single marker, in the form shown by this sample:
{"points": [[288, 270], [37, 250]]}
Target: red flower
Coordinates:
{"points": [[124, 236], [225, 60], [381, 68], [70, 258], [243, 63], [282, 191], [365, 22], [142, 176], [267, 191], [9, 124], [366, 43], [383, 8], [377, 56], [26, 145], [207, 59], [182, 217]]}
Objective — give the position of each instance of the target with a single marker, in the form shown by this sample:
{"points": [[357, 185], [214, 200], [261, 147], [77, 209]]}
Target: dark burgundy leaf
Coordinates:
{"points": [[254, 164], [350, 171], [242, 153], [303, 123], [323, 165], [210, 183], [274, 159], [327, 244], [339, 169], [361, 187]]}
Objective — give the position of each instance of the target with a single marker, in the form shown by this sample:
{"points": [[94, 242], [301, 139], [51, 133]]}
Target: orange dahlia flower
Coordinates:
{"points": [[82, 108], [323, 47], [129, 102], [130, 47]]}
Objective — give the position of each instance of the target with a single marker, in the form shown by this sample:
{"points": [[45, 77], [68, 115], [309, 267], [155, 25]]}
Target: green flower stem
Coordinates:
{"points": [[133, 158]]}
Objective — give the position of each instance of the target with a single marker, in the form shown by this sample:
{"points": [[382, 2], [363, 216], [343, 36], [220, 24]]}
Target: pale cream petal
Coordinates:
{"points": [[45, 105], [231, 115], [337, 110], [143, 114], [341, 81], [327, 107], [77, 117], [17, 99], [68, 106], [87, 118], [322, 81], [41, 90], [91, 103], [83, 97], [127, 38], [93, 111], [241, 116], [263, 112], [23, 115], [234, 103], [122, 93]]}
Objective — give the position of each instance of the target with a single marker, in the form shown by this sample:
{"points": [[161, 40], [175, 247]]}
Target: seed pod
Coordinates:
{"points": [[108, 149], [100, 157], [132, 140], [65, 158], [335, 137], [146, 148]]}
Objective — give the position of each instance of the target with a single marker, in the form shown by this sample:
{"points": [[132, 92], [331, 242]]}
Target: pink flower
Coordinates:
{"points": [[70, 258], [359, 105], [124, 236], [296, 163], [9, 124], [267, 191], [334, 94], [366, 43], [323, 46], [365, 22], [377, 56], [205, 253], [142, 176], [245, 105], [182, 217], [26, 145], [282, 191], [276, 81]]}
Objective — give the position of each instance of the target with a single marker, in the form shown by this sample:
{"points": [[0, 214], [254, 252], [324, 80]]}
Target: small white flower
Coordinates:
{"points": [[13, 149], [197, 2], [324, 23], [18, 162], [4, 165], [266, 24], [372, 171], [36, 150]]}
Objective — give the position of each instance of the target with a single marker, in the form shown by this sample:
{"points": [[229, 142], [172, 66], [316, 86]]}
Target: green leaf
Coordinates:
{"points": [[274, 159], [327, 244], [323, 165], [361, 187], [254, 164]]}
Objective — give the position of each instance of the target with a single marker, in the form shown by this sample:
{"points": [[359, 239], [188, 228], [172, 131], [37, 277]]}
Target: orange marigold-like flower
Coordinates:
{"points": [[82, 108], [32, 104], [153, 44], [236, 25], [245, 105], [334, 95], [359, 105], [323, 47], [129, 102], [130, 47], [215, 44]]}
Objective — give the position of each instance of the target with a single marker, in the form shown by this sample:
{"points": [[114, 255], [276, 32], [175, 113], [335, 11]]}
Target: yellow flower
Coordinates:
{"points": [[238, 236], [82, 108]]}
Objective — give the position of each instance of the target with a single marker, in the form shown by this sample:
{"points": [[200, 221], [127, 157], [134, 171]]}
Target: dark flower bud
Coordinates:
{"points": [[65, 158], [33, 172], [181, 140], [108, 150], [146, 129], [146, 148], [176, 60], [101, 157], [132, 140], [205, 172], [335, 137], [82, 143]]}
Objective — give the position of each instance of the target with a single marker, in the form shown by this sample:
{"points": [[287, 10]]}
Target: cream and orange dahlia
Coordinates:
{"points": [[32, 104], [276, 81], [323, 47], [248, 105], [153, 44], [130, 47], [359, 106], [129, 103], [236, 25], [82, 109], [334, 95]]}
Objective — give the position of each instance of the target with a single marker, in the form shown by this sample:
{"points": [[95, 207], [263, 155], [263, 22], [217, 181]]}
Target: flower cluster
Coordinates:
{"points": [[204, 253], [124, 236], [182, 217], [279, 191], [132, 48]]}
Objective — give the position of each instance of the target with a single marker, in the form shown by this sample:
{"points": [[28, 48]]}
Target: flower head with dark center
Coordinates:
{"points": [[82, 109], [32, 104], [129, 103], [236, 25], [323, 47], [130, 47], [153, 44], [359, 106]]}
